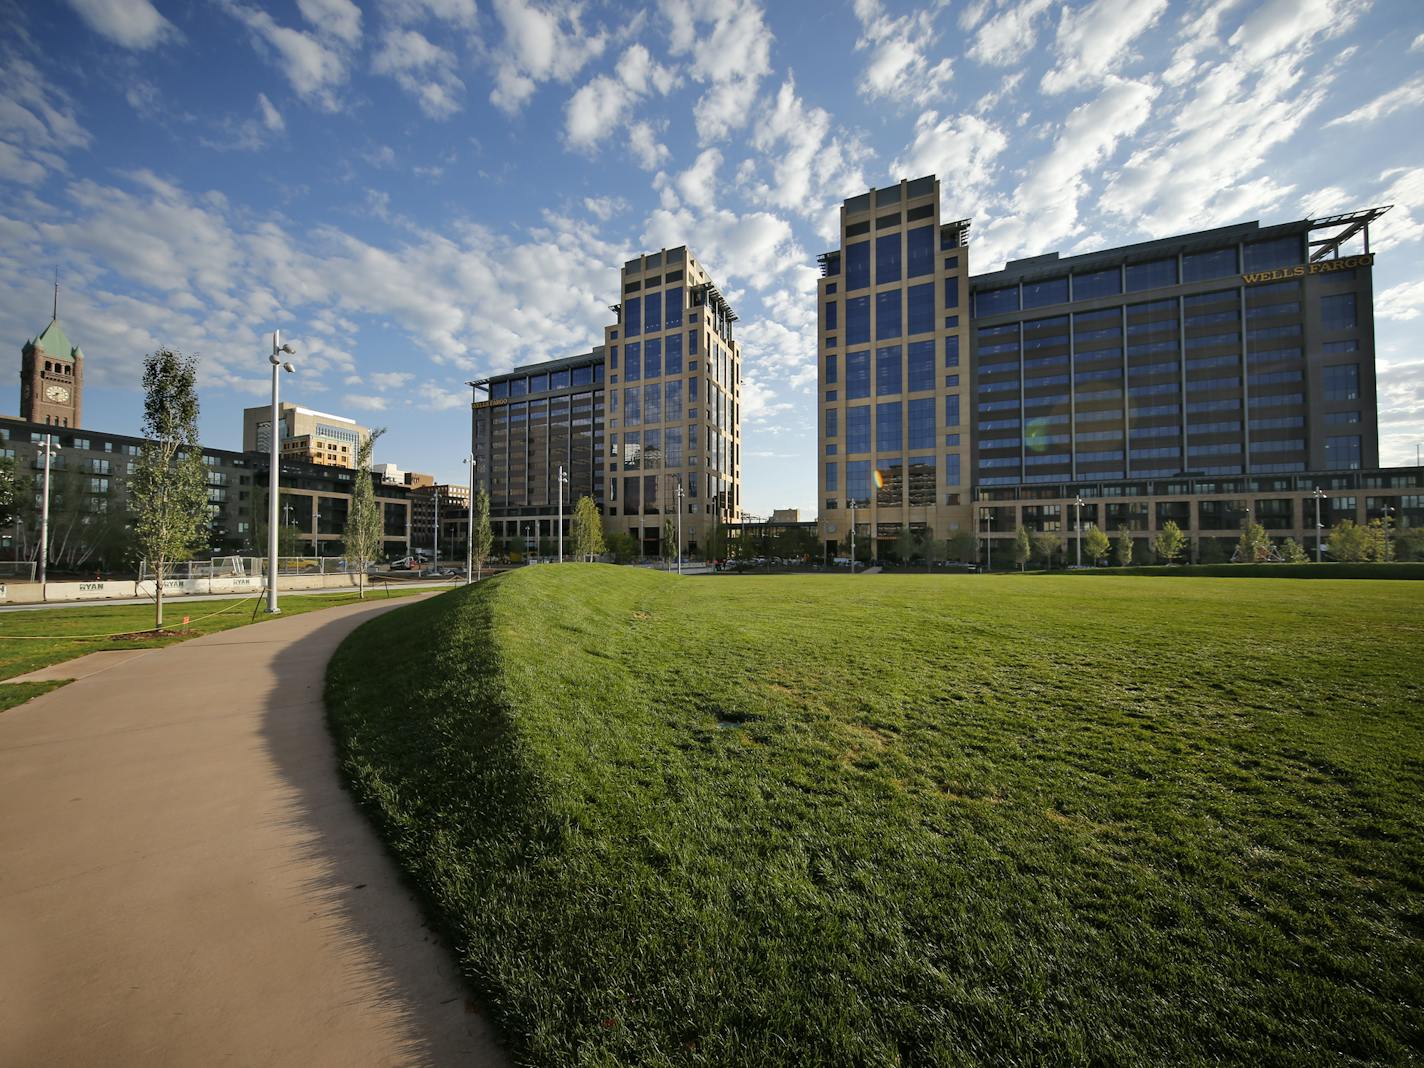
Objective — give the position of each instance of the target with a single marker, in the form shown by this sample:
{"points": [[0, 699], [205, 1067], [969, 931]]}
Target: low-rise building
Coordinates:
{"points": [[306, 435]]}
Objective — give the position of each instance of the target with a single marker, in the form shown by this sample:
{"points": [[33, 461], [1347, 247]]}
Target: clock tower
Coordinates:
{"points": [[51, 377]]}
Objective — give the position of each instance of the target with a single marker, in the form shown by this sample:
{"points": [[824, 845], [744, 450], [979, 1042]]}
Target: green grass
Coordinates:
{"points": [[1400, 570], [19, 655], [957, 820], [17, 693]]}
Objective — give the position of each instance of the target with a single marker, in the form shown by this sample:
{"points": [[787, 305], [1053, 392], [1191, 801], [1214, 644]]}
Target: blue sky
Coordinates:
{"points": [[421, 191]]}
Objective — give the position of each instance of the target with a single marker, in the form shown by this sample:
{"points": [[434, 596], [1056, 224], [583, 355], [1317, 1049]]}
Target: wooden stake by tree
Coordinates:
{"points": [[481, 537], [365, 522], [169, 489], [587, 530], [1170, 542]]}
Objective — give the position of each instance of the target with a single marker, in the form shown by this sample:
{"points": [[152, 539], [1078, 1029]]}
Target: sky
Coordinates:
{"points": [[420, 192]]}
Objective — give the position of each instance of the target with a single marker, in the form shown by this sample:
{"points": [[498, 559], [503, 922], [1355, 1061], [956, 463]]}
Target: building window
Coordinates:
{"points": [[857, 382], [889, 429], [632, 317], [692, 342], [857, 328], [1204, 266], [1268, 255], [652, 313], [951, 469], [1097, 284], [673, 302], [673, 402], [1341, 418], [830, 370], [652, 357], [922, 423], [1342, 382], [1342, 452], [1042, 294], [951, 351], [921, 365], [858, 483], [633, 361], [920, 308], [887, 258], [887, 370], [993, 301], [831, 321], [632, 406], [887, 315], [858, 428], [919, 252], [857, 265], [833, 423], [951, 409], [673, 363], [1152, 275], [1337, 311], [832, 477]]}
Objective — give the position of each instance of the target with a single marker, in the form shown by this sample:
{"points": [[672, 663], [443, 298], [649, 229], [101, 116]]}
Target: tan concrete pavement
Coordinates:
{"points": [[183, 881]]}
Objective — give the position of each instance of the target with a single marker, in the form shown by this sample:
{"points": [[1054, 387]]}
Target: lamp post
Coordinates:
{"points": [[563, 481], [1319, 548], [279, 349], [988, 541], [1387, 511], [435, 528], [852, 535], [470, 534], [1078, 503], [677, 498], [50, 451]]}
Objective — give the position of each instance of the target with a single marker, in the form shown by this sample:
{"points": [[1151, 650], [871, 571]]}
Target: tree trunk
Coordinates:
{"points": [[158, 590]]}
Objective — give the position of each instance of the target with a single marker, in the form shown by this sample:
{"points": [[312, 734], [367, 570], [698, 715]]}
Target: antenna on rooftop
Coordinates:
{"points": [[56, 294]]}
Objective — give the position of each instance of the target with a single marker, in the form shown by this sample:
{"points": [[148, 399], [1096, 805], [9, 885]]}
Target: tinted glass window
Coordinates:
{"points": [[1268, 255], [920, 308], [857, 383], [921, 365], [858, 428], [673, 306], [652, 313], [919, 256], [858, 265], [887, 370], [1152, 275], [653, 357], [1097, 284], [1337, 312], [887, 315], [990, 301], [857, 324], [673, 363], [887, 259], [1201, 266], [888, 429], [633, 361], [830, 370], [632, 317], [922, 423], [1041, 294]]}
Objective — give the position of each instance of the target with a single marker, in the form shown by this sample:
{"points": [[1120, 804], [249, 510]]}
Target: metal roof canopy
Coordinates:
{"points": [[1350, 224], [712, 296]]}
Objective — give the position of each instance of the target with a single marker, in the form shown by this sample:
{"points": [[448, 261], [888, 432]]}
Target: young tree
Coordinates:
{"points": [[1023, 548], [668, 542], [1347, 542], [365, 521], [1379, 546], [1123, 553], [622, 545], [1253, 547], [1170, 542], [1046, 545], [1292, 553], [587, 530], [906, 545], [963, 546], [1096, 543], [169, 490]]}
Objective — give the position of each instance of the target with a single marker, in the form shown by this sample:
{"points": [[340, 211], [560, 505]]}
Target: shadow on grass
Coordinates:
{"points": [[407, 969]]}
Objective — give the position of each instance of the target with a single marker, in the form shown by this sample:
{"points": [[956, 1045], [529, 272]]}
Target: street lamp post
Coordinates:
{"points": [[470, 533], [1319, 548], [563, 481], [1388, 510], [279, 349], [988, 541], [677, 498], [1078, 503], [435, 529], [50, 450], [852, 535]]}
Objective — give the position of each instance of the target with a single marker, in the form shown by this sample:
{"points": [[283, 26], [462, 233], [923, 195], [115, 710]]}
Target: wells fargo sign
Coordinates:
{"points": [[1300, 270]]}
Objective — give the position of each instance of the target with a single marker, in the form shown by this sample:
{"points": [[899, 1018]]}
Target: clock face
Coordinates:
{"points": [[58, 394]]}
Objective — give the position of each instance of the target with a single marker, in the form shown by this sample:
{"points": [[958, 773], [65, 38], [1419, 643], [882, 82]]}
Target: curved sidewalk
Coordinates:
{"points": [[184, 881]]}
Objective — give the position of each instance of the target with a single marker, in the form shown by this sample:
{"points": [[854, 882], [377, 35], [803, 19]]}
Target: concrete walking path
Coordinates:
{"points": [[183, 881]]}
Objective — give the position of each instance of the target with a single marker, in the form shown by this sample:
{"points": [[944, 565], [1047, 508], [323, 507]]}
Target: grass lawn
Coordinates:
{"points": [[21, 655], [822, 820]]}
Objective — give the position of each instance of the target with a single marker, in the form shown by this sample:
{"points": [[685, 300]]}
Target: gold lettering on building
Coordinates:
{"points": [[1301, 269]]}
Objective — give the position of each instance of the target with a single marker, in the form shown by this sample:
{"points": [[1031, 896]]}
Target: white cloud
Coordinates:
{"points": [[810, 167], [439, 399], [337, 18], [698, 184], [1405, 222], [541, 43], [1278, 26], [756, 247], [130, 23], [271, 117], [365, 402], [314, 66], [898, 69], [1047, 200], [1404, 301], [37, 123], [1094, 41], [644, 143], [1408, 95], [729, 47], [422, 69], [1418, 45], [601, 108], [388, 380], [604, 208], [1010, 35], [964, 151], [17, 167]]}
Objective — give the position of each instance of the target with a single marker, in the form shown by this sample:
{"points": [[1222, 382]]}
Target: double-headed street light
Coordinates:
{"points": [[51, 450], [470, 535], [1319, 549], [1078, 504], [563, 481], [677, 496], [279, 349]]}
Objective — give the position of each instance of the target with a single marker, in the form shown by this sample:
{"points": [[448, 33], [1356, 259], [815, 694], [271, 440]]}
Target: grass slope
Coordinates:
{"points": [[896, 820], [30, 640]]}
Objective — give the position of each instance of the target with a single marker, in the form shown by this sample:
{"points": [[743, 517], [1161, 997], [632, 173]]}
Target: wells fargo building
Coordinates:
{"points": [[1202, 378]]}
